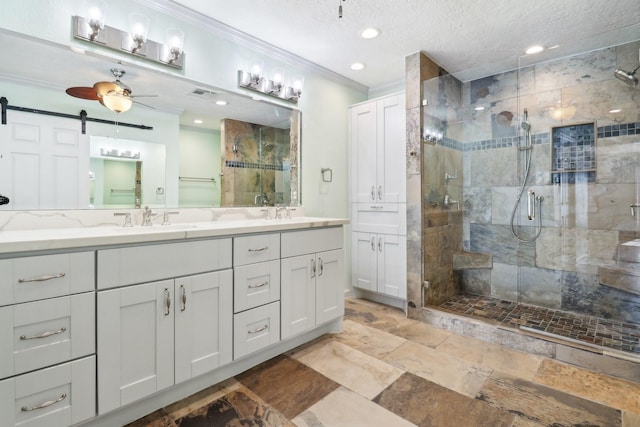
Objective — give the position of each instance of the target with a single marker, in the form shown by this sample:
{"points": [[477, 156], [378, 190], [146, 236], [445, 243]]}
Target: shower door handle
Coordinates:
{"points": [[531, 205]]}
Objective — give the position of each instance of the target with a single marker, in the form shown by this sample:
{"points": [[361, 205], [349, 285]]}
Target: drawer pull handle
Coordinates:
{"points": [[42, 278], [264, 248], [380, 192], [259, 285], [167, 300], [184, 298], [313, 268], [43, 335], [373, 193], [44, 404], [265, 327], [321, 266]]}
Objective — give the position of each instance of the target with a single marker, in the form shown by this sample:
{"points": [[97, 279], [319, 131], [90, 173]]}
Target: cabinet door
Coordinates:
{"points": [[203, 323], [392, 265], [135, 343], [364, 259], [329, 285], [298, 295], [391, 150], [363, 152]]}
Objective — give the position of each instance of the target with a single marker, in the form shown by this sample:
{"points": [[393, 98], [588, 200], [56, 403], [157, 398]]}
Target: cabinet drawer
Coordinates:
{"points": [[39, 277], [255, 329], [59, 396], [258, 248], [255, 285], [43, 333], [303, 242], [384, 218], [139, 264]]}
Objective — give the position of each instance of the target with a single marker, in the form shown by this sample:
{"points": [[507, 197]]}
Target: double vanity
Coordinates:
{"points": [[103, 324]]}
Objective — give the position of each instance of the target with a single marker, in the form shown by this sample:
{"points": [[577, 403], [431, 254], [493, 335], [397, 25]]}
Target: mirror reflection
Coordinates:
{"points": [[219, 148]]}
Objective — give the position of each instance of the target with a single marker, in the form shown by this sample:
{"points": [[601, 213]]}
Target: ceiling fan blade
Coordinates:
{"points": [[144, 105], [83, 92]]}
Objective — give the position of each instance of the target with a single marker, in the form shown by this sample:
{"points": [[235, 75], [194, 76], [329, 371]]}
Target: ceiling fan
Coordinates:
{"points": [[116, 96]]}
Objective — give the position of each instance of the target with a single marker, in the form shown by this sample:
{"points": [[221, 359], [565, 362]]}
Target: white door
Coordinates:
{"points": [[391, 169], [297, 295], [329, 289], [364, 261], [135, 343], [203, 323], [363, 153], [392, 265], [44, 162]]}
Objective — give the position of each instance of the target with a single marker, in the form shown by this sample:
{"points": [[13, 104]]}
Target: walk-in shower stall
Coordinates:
{"points": [[530, 183]]}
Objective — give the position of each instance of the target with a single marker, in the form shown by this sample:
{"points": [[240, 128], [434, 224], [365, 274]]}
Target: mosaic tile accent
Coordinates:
{"points": [[617, 335], [251, 165]]}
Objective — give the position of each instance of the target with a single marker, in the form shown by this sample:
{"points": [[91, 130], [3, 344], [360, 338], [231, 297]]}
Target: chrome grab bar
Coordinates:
{"points": [[531, 205], [44, 404], [43, 335], [42, 278]]}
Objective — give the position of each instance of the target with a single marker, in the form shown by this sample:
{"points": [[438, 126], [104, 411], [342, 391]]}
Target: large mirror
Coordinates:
{"points": [[182, 144]]}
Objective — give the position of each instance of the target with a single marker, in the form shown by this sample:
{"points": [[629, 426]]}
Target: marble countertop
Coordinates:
{"points": [[70, 238]]}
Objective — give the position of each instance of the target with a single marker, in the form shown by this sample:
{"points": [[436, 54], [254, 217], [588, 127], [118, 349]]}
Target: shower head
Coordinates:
{"points": [[627, 77], [525, 124]]}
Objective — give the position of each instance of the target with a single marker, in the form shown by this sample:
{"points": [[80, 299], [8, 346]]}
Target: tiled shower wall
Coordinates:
{"points": [[583, 223]]}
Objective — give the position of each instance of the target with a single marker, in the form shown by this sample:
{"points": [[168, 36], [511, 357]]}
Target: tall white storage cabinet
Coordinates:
{"points": [[378, 196]]}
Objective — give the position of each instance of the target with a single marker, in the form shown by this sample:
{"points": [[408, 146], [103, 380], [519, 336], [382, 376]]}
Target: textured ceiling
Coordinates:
{"points": [[468, 38]]}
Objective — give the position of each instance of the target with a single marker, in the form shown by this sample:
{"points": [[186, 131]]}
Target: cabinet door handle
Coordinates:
{"points": [[379, 244], [42, 278], [321, 266], [373, 243], [44, 404], [255, 331], [184, 298], [167, 300], [264, 248], [258, 285], [380, 192], [42, 335], [313, 268], [373, 193]]}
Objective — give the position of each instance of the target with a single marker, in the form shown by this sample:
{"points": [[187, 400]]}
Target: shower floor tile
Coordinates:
{"points": [[616, 335]]}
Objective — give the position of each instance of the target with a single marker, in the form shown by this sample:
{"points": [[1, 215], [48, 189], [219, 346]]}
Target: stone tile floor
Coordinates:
{"points": [[617, 335], [389, 371]]}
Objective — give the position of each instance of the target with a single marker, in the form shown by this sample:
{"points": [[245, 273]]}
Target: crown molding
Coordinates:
{"points": [[241, 38]]}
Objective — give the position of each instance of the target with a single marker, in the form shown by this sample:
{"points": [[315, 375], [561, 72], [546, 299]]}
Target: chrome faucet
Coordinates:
{"points": [[146, 216], [448, 202], [279, 210]]}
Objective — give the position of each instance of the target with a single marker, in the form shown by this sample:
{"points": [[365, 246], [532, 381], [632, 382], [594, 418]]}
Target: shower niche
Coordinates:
{"points": [[573, 153]]}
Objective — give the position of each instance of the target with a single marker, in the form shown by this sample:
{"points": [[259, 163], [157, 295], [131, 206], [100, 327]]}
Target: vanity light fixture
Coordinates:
{"points": [[134, 42], [275, 86], [96, 19]]}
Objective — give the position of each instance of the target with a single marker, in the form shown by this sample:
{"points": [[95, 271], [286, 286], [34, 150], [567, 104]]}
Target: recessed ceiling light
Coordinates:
{"points": [[615, 110], [221, 102], [197, 121], [357, 66], [479, 108], [370, 33], [534, 49]]}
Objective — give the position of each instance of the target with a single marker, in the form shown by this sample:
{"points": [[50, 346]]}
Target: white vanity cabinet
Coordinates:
{"points": [[312, 289], [156, 334], [47, 327], [256, 284], [378, 263]]}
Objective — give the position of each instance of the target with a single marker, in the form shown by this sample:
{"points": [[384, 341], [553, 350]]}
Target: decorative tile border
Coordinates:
{"points": [[251, 165]]}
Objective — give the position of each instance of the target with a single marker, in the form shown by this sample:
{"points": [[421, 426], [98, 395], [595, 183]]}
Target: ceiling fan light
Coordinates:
{"points": [[103, 88], [117, 103]]}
